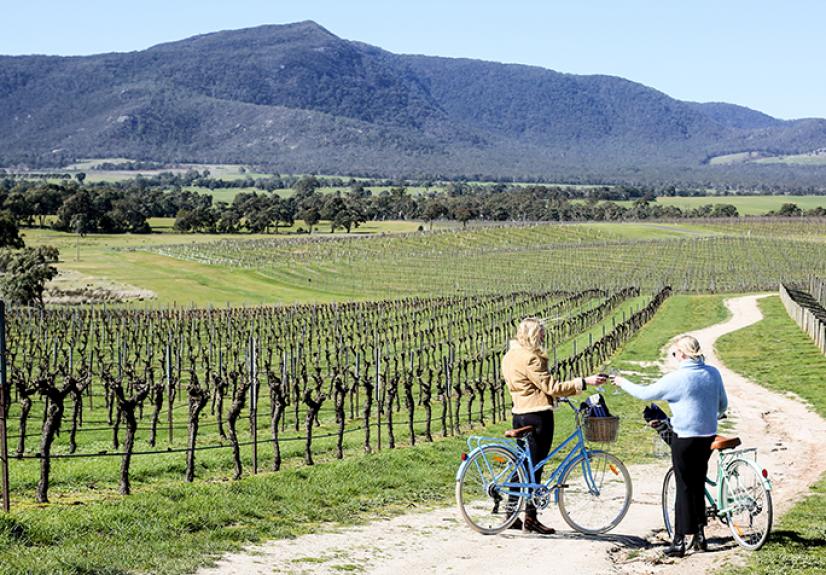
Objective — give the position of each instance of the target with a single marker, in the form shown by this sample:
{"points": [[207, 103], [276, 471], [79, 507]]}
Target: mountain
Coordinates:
{"points": [[734, 116], [298, 98]]}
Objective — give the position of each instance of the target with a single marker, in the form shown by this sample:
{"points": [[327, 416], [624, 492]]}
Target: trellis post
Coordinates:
{"points": [[254, 402], [4, 448]]}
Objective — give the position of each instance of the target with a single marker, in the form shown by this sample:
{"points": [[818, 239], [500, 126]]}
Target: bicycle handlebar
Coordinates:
{"points": [[569, 402]]}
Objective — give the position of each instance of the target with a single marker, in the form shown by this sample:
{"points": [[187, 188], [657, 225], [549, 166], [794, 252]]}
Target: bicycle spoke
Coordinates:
{"points": [[596, 496], [749, 505], [486, 501]]}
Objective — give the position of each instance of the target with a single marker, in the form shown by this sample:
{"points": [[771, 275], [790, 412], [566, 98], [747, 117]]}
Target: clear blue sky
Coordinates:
{"points": [[767, 55]]}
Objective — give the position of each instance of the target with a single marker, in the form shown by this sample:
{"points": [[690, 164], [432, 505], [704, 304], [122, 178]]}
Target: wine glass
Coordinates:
{"points": [[600, 388], [613, 373]]}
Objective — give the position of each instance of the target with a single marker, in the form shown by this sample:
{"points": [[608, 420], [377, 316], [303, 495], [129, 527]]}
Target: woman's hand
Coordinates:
{"points": [[594, 380]]}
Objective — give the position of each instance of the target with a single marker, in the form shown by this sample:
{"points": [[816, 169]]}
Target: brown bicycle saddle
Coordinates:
{"points": [[519, 432], [721, 442]]}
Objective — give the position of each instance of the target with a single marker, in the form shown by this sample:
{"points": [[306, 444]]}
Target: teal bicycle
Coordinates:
{"points": [[740, 496], [592, 488]]}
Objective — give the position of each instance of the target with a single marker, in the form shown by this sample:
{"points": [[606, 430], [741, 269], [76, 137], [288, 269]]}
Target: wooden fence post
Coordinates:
{"points": [[4, 450]]}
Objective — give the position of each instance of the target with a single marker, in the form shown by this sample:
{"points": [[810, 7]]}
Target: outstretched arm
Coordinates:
{"points": [[541, 378], [663, 389]]}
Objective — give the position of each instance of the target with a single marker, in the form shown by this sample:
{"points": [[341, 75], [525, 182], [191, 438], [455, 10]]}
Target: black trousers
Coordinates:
{"points": [[690, 455], [539, 442]]}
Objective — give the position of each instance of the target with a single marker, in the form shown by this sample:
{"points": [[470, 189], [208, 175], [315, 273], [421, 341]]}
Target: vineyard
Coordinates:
{"points": [[193, 428], [741, 255], [102, 397], [109, 396]]}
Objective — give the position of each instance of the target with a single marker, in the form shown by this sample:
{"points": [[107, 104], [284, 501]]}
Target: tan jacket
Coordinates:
{"points": [[532, 387]]}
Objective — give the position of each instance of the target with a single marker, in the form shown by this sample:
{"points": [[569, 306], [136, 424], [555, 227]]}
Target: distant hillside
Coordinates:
{"points": [[298, 98], [733, 116]]}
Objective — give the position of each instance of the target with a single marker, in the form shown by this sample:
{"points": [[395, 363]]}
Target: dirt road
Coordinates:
{"points": [[786, 432]]}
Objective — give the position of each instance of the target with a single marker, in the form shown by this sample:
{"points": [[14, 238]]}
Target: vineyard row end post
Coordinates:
{"points": [[4, 448]]}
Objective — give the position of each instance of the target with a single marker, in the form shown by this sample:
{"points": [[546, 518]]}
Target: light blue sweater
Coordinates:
{"points": [[695, 394]]}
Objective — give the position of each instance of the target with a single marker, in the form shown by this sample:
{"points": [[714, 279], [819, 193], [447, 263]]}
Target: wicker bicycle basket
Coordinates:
{"points": [[602, 429]]}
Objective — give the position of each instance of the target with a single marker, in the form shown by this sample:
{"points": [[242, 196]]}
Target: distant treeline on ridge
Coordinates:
{"points": [[127, 206]]}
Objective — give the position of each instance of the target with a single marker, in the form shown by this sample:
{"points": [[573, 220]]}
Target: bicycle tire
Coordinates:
{"points": [[617, 488], [669, 492], [746, 491], [476, 490]]}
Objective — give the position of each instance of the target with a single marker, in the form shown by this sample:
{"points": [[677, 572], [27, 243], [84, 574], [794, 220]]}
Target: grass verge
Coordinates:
{"points": [[779, 355]]}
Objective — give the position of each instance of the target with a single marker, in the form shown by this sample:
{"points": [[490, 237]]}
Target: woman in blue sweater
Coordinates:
{"points": [[697, 399]]}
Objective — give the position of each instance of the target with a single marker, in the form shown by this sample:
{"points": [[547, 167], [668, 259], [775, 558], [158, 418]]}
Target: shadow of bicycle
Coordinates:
{"points": [[715, 544], [630, 541]]}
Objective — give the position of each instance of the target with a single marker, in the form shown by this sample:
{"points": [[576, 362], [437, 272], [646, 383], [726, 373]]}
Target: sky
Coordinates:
{"points": [[766, 55]]}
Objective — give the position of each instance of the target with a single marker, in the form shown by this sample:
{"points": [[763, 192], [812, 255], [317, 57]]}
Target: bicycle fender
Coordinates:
{"points": [[759, 470], [478, 449], [564, 470]]}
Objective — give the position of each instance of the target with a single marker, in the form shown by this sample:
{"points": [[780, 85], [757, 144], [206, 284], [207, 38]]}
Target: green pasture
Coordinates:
{"points": [[372, 262], [126, 259], [90, 529], [776, 353], [746, 205], [735, 258]]}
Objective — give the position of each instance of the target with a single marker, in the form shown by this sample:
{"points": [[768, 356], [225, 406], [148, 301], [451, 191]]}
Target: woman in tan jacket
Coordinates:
{"points": [[533, 389]]}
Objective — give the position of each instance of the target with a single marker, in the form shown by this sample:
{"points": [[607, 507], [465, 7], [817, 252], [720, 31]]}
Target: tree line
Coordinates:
{"points": [[75, 207]]}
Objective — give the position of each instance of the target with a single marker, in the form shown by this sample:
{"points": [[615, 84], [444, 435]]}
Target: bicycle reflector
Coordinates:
{"points": [[765, 474], [464, 457]]}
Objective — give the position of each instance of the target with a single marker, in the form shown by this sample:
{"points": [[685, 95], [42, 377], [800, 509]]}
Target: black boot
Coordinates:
{"points": [[533, 525], [698, 541], [516, 524], [677, 547]]}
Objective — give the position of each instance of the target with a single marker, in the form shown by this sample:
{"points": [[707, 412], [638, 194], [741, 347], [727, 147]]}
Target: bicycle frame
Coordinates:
{"points": [[523, 458], [724, 459]]}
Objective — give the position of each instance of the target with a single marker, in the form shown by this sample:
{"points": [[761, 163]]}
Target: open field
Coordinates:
{"points": [[130, 259], [126, 259], [527, 257], [746, 205], [244, 268]]}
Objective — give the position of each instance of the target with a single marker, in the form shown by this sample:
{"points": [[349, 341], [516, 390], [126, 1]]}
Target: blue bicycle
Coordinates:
{"points": [[591, 487]]}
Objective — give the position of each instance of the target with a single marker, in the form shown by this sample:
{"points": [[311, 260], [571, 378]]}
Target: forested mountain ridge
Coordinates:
{"points": [[298, 98]]}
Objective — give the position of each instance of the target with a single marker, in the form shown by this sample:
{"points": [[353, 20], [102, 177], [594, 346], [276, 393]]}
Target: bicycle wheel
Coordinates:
{"points": [[669, 497], [750, 505], [597, 493], [481, 498]]}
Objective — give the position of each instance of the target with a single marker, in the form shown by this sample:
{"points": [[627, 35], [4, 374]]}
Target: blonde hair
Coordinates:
{"points": [[688, 346], [530, 333]]}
